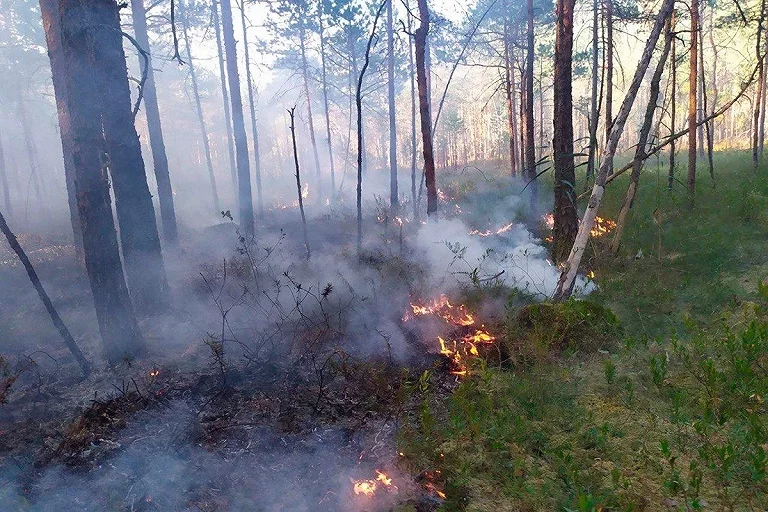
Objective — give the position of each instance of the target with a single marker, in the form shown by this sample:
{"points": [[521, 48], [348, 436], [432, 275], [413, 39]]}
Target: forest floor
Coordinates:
{"points": [[266, 389], [671, 416]]}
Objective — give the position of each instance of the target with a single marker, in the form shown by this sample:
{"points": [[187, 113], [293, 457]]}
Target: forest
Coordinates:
{"points": [[383, 255]]}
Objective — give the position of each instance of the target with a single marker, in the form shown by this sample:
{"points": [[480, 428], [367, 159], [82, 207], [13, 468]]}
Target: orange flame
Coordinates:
{"points": [[368, 487], [601, 227]]}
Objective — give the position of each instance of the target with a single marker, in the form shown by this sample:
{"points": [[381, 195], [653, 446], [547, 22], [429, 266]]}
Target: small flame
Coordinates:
{"points": [[602, 226], [154, 373], [368, 487], [305, 191]]}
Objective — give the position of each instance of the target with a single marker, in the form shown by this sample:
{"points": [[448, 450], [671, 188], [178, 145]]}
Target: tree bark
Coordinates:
{"points": [[414, 144], [225, 96], [291, 112], [252, 105], [608, 70], [571, 267], [245, 199], [530, 140], [79, 21], [693, 82], [154, 126], [69, 341], [4, 183], [420, 42], [51, 25], [133, 202], [566, 220], [310, 121], [393, 193], [594, 115], [326, 104], [509, 89], [645, 130], [673, 109], [199, 109]]}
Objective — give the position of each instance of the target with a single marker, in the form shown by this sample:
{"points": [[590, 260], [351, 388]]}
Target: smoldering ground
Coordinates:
{"points": [[274, 381]]}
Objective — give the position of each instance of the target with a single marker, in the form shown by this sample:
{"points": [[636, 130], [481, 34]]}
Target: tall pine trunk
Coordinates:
{"points": [[509, 89], [594, 113], [51, 25], [530, 140], [420, 42], [565, 216], [6, 188], [245, 200], [139, 236], [225, 96], [156, 142], [199, 109], [693, 82], [326, 104], [393, 194], [673, 109], [608, 57], [310, 121], [414, 143], [78, 21], [252, 105]]}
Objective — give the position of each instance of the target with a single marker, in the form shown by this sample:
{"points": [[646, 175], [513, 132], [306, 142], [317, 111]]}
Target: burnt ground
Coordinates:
{"points": [[185, 430]]}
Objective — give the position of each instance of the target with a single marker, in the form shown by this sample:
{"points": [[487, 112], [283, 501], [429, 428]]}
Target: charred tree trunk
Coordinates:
{"points": [[673, 109], [252, 105], [4, 183], [608, 56], [565, 216], [69, 341], [245, 200], [645, 130], [359, 105], [78, 21], [594, 114], [156, 142], [393, 193], [133, 202], [530, 139], [51, 25], [693, 82], [509, 85], [291, 112], [310, 121], [420, 42], [414, 144], [225, 96], [199, 109], [571, 267], [326, 104]]}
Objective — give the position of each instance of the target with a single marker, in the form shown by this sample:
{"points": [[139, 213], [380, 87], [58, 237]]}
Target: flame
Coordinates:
{"points": [[154, 373], [463, 345], [305, 191], [368, 487], [602, 226], [488, 232]]}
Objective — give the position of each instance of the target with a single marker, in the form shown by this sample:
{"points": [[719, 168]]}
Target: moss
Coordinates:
{"points": [[539, 331]]}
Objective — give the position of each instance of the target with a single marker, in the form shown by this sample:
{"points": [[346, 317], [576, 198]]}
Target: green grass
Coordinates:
{"points": [[672, 415]]}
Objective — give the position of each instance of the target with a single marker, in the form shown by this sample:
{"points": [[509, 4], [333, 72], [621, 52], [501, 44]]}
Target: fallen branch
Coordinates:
{"points": [[57, 321]]}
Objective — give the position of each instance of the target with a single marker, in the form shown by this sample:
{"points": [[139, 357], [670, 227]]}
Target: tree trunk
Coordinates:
{"points": [[69, 341], [761, 130], [608, 70], [530, 141], [199, 108], [673, 109], [245, 199], [34, 164], [509, 84], [693, 82], [571, 266], [414, 144], [326, 105], [420, 42], [4, 183], [133, 202], [703, 110], [252, 105], [310, 122], [51, 25], [159, 158], [566, 220], [291, 112], [393, 194], [225, 97], [594, 114], [645, 130], [79, 21]]}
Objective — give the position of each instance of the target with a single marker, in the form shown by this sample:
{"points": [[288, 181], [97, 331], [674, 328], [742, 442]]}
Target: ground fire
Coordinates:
{"points": [[463, 335]]}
